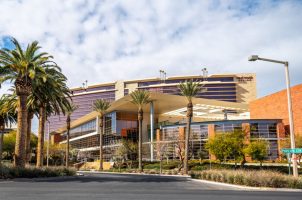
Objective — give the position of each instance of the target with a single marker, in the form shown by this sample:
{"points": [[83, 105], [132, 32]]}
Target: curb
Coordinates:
{"points": [[248, 187], [127, 173], [201, 181]]}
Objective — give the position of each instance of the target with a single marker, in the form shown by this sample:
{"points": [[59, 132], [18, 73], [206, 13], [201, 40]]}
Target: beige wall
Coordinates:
{"points": [[246, 87], [131, 86], [119, 86]]}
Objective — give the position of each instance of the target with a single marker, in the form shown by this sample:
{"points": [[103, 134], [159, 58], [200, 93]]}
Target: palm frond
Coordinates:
{"points": [[101, 106], [190, 89], [140, 98]]}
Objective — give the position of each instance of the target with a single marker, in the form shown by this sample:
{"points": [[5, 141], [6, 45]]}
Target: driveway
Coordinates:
{"points": [[124, 187]]}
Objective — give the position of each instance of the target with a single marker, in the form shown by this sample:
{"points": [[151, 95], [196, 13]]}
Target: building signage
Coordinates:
{"points": [[245, 78], [296, 150]]}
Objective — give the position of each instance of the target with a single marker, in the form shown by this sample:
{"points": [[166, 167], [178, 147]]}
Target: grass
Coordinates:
{"points": [[10, 172], [259, 178]]}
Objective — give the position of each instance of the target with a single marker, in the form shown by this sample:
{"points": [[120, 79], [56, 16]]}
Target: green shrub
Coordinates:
{"points": [[8, 172], [259, 178]]}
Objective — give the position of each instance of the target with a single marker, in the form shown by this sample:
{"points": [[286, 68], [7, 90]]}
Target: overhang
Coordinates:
{"points": [[175, 106]]}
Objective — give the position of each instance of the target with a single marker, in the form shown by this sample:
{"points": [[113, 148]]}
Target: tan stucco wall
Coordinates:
{"points": [[246, 87]]}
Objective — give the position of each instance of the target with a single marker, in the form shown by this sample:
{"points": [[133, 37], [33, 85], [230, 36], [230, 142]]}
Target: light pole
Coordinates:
{"points": [[290, 110], [47, 151]]}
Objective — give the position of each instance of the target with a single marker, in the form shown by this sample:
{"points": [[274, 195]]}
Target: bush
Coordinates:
{"points": [[260, 178], [8, 172]]}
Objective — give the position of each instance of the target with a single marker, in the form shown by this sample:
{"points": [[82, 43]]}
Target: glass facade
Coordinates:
{"points": [[117, 126], [259, 129]]}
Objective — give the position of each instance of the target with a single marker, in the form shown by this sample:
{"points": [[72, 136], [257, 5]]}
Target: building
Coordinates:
{"points": [[121, 122], [240, 88], [275, 106]]}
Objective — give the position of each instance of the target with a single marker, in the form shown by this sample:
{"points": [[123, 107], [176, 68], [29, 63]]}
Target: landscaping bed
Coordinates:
{"points": [[10, 172], [259, 178]]}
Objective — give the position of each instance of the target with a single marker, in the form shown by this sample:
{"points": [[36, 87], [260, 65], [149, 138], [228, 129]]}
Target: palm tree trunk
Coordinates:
{"points": [[140, 125], [40, 147], [67, 141], [30, 116], [101, 140], [20, 153], [188, 130], [2, 127]]}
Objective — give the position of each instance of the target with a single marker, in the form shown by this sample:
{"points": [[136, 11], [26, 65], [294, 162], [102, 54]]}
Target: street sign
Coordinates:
{"points": [[296, 150]]}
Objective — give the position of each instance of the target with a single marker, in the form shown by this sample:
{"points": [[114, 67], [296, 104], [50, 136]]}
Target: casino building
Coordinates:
{"points": [[223, 107]]}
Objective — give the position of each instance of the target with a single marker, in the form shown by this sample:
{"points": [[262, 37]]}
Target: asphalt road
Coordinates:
{"points": [[124, 187]]}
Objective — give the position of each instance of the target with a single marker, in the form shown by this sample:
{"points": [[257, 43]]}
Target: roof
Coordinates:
{"points": [[173, 105]]}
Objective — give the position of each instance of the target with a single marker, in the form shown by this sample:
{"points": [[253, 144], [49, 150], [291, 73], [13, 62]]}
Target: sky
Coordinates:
{"points": [[104, 41]]}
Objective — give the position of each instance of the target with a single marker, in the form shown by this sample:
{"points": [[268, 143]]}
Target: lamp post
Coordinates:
{"points": [[47, 150], [290, 110]]}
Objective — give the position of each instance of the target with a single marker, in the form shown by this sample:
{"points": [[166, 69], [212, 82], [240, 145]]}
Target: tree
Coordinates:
{"points": [[21, 67], [9, 142], [56, 153], [189, 89], [7, 116], [101, 106], [50, 96], [285, 143], [257, 150], [69, 111], [227, 145], [140, 98], [127, 151], [217, 147]]}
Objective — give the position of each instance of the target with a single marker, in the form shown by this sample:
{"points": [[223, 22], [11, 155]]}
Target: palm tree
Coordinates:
{"points": [[69, 111], [50, 96], [21, 67], [189, 89], [140, 98], [101, 106], [7, 115]]}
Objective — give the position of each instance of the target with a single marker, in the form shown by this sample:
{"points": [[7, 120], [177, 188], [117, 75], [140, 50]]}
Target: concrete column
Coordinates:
{"points": [[151, 129], [280, 136], [211, 134], [246, 128], [158, 139]]}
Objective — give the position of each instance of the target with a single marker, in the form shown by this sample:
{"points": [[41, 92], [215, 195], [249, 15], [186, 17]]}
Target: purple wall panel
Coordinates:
{"points": [[84, 103]]}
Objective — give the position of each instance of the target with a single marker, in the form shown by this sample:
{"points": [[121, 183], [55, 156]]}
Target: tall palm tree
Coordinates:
{"points": [[69, 111], [7, 115], [140, 98], [189, 89], [21, 67], [101, 106], [50, 96]]}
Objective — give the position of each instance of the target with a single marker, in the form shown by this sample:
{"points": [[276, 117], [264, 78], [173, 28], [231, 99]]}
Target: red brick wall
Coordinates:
{"points": [[274, 106]]}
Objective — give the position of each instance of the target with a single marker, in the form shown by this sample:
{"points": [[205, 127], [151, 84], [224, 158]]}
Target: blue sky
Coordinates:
{"points": [[102, 41]]}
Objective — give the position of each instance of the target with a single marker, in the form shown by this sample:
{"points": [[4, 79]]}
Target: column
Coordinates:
{"points": [[151, 130], [281, 136], [246, 128], [211, 134]]}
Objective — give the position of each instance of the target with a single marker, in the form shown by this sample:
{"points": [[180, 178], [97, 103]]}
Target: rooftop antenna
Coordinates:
{"points": [[85, 85], [163, 75], [204, 74]]}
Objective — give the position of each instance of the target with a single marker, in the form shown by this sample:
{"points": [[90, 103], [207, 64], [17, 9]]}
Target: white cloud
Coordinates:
{"points": [[105, 41]]}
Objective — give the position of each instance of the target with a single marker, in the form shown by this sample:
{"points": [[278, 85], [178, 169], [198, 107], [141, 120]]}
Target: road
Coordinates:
{"points": [[126, 187]]}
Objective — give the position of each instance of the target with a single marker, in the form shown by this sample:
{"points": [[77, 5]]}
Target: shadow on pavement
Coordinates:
{"points": [[108, 178]]}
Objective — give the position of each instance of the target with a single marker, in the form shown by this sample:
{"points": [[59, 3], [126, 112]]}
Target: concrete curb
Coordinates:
{"points": [[127, 173], [248, 187], [201, 181]]}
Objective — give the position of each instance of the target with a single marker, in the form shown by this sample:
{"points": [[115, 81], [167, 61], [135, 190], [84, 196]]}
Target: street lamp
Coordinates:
{"points": [[290, 110], [47, 150]]}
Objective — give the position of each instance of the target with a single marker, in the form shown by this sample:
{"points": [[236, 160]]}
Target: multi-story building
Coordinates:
{"points": [[240, 88], [225, 97]]}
